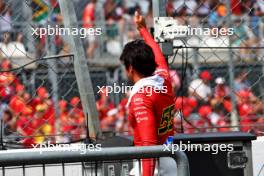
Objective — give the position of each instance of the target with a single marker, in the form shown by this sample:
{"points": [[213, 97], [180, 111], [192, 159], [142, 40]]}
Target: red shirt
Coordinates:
{"points": [[89, 15], [236, 7], [221, 92], [17, 104], [151, 115]]}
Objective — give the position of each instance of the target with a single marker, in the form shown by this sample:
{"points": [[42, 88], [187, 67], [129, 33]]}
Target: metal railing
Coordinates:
{"points": [[25, 157]]}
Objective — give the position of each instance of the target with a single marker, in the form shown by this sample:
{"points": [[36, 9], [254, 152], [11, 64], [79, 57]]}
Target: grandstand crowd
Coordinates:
{"points": [[30, 118], [204, 108], [247, 17]]}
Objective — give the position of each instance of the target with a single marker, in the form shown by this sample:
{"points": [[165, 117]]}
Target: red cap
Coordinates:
{"points": [[75, 101], [205, 111], [206, 75], [19, 88], [42, 92], [187, 111], [244, 93], [63, 104], [192, 102], [179, 102]]}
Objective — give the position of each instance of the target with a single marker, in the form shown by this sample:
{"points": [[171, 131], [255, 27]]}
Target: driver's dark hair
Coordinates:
{"points": [[140, 56]]}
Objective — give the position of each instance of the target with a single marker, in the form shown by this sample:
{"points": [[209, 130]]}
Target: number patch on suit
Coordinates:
{"points": [[166, 123]]}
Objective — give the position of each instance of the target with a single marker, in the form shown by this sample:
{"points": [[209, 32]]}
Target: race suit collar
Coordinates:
{"points": [[155, 81]]}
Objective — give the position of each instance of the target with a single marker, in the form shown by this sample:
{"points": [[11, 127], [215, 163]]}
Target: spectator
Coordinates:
{"points": [[46, 105], [8, 123], [203, 8], [254, 28], [221, 98], [7, 81], [217, 16], [245, 109], [24, 126], [175, 80], [39, 124], [236, 7], [18, 100], [248, 98], [114, 26], [254, 20], [76, 116], [113, 10], [104, 104], [241, 82], [260, 7], [144, 6], [131, 6], [5, 20], [5, 48], [89, 22], [221, 91], [170, 8], [17, 47], [217, 119], [74, 126], [243, 37], [149, 16], [63, 114], [122, 125], [109, 122], [205, 113], [200, 88], [76, 107], [186, 105]]}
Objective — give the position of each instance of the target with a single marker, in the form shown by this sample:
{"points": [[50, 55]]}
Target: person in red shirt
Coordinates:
{"points": [[151, 102], [8, 81], [246, 109], [236, 7], [77, 109], [76, 119], [43, 100], [63, 114], [24, 126], [104, 104], [89, 22], [17, 102]]}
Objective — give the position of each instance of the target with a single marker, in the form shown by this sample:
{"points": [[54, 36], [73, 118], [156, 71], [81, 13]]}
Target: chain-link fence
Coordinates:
{"points": [[222, 64], [40, 100], [224, 82]]}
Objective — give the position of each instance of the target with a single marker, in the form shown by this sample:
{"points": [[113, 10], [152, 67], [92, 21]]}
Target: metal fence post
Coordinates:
{"points": [[51, 50], [81, 71], [231, 69]]}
